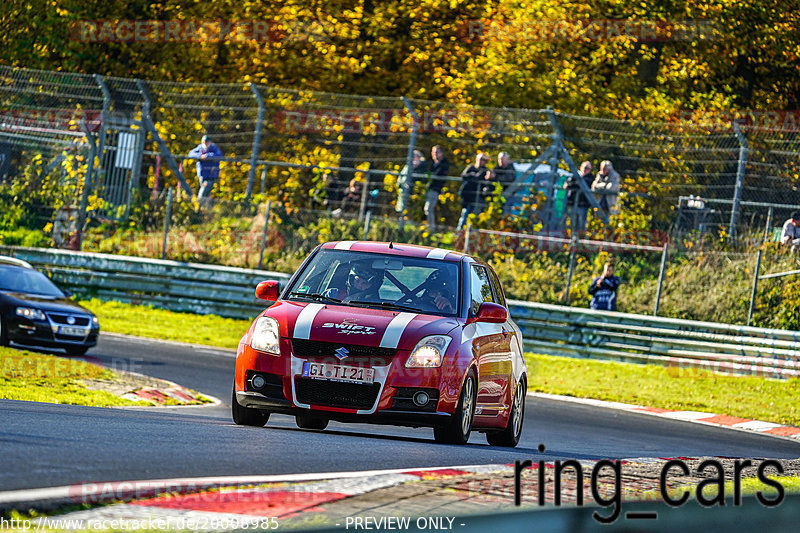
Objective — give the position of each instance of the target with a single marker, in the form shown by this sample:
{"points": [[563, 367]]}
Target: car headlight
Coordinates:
{"points": [[265, 336], [429, 352], [95, 322], [31, 313]]}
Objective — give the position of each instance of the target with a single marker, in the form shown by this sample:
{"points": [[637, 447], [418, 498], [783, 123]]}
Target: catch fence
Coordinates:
{"points": [[112, 141]]}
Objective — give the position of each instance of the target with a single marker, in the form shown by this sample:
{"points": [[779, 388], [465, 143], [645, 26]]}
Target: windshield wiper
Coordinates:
{"points": [[316, 296], [385, 305]]}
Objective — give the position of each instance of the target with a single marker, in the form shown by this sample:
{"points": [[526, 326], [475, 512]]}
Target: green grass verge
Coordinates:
{"points": [[146, 321], [650, 385], [667, 387], [37, 377]]}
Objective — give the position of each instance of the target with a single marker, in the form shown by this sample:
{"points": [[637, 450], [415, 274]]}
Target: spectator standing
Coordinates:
{"points": [[207, 167], [474, 179], [606, 186], [604, 290], [791, 232], [576, 198], [504, 173], [406, 181], [440, 169]]}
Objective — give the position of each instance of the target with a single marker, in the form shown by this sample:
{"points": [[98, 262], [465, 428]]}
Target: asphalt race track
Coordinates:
{"points": [[50, 445]]}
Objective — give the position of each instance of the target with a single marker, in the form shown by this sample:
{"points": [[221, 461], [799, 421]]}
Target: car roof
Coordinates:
{"points": [[6, 260], [392, 248]]}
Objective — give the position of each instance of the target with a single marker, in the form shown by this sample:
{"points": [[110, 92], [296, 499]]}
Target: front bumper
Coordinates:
{"points": [[47, 334], [414, 419]]}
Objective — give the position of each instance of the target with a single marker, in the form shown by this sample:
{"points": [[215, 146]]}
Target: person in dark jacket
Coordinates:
{"points": [[504, 173], [604, 290], [440, 169], [474, 177], [577, 202], [207, 168]]}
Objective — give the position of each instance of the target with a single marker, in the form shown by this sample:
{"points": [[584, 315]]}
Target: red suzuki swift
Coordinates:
{"points": [[386, 333]]}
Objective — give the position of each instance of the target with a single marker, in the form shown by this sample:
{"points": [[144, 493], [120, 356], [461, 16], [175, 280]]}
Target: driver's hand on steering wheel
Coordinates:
{"points": [[442, 303]]}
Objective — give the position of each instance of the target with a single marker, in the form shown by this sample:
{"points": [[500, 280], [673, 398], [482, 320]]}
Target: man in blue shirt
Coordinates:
{"points": [[604, 290], [207, 168]]}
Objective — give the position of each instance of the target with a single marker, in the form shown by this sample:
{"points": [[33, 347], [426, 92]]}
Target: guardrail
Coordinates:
{"points": [[552, 329], [726, 348], [173, 285]]}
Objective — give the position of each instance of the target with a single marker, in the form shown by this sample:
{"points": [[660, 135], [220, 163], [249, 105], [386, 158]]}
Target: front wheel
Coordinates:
{"points": [[458, 427], [3, 334], [509, 437], [247, 416]]}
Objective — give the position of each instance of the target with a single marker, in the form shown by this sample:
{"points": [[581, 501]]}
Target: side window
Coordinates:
{"points": [[498, 290], [480, 288]]}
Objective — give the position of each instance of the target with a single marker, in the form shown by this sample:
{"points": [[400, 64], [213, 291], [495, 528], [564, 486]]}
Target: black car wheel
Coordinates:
{"points": [[246, 416], [458, 427], [3, 333], [509, 437], [311, 422]]}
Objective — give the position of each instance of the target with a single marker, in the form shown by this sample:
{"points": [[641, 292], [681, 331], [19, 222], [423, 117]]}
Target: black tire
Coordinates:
{"points": [[3, 333], [247, 416], [509, 437], [311, 422], [459, 426], [76, 350]]}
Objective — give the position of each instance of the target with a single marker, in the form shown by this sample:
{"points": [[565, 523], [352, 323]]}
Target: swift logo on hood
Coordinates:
{"points": [[349, 327]]}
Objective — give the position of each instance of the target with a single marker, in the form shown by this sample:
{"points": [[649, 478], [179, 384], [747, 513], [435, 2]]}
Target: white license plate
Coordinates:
{"points": [[75, 332], [338, 372]]}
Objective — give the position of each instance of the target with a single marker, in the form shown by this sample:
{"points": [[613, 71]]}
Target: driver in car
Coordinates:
{"points": [[362, 285], [438, 292]]}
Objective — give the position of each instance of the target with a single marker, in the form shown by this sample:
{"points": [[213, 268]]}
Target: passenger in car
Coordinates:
{"points": [[438, 293]]}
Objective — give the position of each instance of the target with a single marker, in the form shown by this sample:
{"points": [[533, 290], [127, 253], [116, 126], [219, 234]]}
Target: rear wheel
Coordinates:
{"points": [[247, 416], [458, 427], [311, 422], [509, 437]]}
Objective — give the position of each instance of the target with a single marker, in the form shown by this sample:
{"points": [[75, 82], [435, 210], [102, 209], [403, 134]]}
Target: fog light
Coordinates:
{"points": [[421, 399], [258, 381]]}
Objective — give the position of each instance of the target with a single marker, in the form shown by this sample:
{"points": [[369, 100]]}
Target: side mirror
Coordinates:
{"points": [[267, 290], [490, 312]]}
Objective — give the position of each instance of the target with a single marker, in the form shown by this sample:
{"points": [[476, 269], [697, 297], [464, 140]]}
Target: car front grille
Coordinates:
{"points": [[357, 354], [62, 319], [336, 393]]}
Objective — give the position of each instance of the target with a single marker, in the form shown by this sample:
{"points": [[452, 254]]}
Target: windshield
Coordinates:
{"points": [[364, 279], [13, 278]]}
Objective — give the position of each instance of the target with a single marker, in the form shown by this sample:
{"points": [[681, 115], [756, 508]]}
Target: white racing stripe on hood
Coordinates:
{"points": [[344, 245], [395, 329], [302, 326], [437, 253]]}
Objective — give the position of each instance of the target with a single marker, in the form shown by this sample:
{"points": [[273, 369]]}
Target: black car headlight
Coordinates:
{"points": [[31, 313]]}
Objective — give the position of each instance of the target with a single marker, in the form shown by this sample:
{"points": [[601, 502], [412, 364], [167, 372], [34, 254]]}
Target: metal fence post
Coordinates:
{"points": [[737, 194], [364, 191], [558, 139], [251, 178], [755, 287], [366, 224], [573, 248], [148, 123], [768, 224], [264, 234], [87, 183], [467, 231], [412, 145], [263, 179], [664, 256], [166, 223]]}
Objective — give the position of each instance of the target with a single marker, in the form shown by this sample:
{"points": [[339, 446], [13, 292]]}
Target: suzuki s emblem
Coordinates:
{"points": [[70, 320], [342, 352]]}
